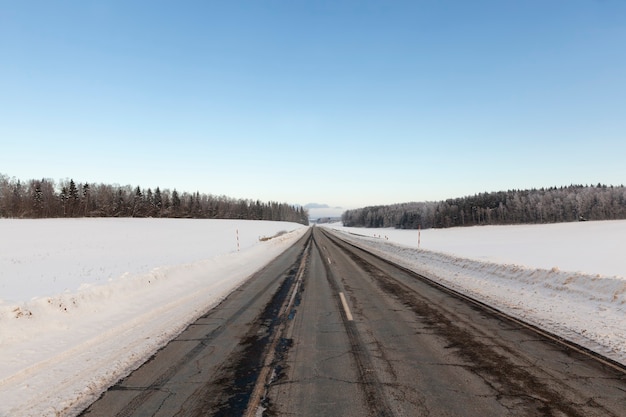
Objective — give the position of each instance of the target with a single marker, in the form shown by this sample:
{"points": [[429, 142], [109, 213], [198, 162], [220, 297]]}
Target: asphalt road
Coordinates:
{"points": [[328, 329]]}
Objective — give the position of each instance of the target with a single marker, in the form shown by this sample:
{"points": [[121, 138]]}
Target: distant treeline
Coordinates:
{"points": [[545, 205], [44, 199]]}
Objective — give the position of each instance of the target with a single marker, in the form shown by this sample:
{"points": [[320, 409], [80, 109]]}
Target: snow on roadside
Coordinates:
{"points": [[87, 300], [586, 308], [60, 350]]}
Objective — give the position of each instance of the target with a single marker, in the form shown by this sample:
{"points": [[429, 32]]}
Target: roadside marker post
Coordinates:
{"points": [[419, 235]]}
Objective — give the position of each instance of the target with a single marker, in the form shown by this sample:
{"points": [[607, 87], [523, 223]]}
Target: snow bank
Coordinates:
{"points": [[110, 292], [586, 308]]}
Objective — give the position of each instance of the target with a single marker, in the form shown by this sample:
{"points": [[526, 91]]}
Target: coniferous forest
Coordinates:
{"points": [[44, 199], [545, 205]]}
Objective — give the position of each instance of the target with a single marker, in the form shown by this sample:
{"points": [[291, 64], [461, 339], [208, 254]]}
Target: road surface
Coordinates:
{"points": [[328, 329]]}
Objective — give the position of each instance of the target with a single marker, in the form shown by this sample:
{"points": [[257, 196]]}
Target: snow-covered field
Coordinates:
{"points": [[84, 301], [568, 278]]}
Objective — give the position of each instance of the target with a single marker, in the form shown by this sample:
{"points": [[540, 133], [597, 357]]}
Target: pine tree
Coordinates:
{"points": [[73, 199], [158, 201], [137, 203], [85, 199], [175, 203]]}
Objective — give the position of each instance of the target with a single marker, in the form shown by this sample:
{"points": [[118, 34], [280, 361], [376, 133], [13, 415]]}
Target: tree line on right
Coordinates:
{"points": [[545, 205]]}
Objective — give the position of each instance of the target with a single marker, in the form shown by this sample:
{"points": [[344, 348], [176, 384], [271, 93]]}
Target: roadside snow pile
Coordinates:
{"points": [[586, 308], [107, 294]]}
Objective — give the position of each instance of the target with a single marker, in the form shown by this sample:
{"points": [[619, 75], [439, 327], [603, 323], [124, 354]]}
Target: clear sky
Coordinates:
{"points": [[347, 103]]}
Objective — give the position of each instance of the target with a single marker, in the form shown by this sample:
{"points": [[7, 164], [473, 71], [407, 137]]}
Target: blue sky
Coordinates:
{"points": [[348, 103]]}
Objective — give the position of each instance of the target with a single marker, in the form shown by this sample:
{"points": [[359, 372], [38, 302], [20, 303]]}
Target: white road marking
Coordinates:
{"points": [[345, 306]]}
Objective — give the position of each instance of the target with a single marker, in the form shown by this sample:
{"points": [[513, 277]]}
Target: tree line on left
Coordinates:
{"points": [[45, 199]]}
